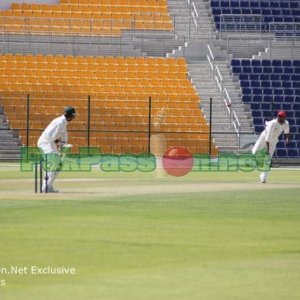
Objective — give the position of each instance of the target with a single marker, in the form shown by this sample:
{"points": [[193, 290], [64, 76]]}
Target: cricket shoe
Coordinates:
{"points": [[50, 189]]}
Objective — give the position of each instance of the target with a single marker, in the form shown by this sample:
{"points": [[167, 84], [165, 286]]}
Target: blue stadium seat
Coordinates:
{"points": [[284, 4], [244, 3], [296, 84], [226, 11], [292, 122], [276, 63], [296, 63], [268, 98], [255, 106], [236, 62], [281, 153], [256, 113], [287, 63], [245, 62], [237, 70], [297, 107], [258, 70], [274, 77], [276, 12], [243, 76], [247, 70], [256, 63], [254, 4], [259, 128], [245, 83], [247, 98], [235, 3], [216, 11], [225, 3], [286, 12], [253, 76], [265, 84], [274, 4], [247, 91], [264, 77], [236, 11], [278, 19], [214, 3], [278, 92], [286, 106], [264, 4], [266, 111], [281, 144], [286, 84], [292, 152], [289, 99], [267, 91], [278, 99], [288, 92], [256, 11], [288, 19], [268, 70], [296, 12], [294, 4], [258, 121], [278, 70], [276, 84], [266, 63], [255, 83]]}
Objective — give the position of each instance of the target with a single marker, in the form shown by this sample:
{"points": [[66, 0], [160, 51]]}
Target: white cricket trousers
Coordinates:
{"points": [[49, 148], [260, 145]]}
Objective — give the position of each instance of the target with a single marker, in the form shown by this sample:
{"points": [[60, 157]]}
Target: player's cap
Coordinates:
{"points": [[281, 114], [69, 111]]}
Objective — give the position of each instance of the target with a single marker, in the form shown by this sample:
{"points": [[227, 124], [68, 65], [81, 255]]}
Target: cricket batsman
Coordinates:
{"points": [[269, 138], [53, 137]]}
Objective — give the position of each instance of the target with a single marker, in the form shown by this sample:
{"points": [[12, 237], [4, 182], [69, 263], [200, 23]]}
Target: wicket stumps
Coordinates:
{"points": [[38, 176]]}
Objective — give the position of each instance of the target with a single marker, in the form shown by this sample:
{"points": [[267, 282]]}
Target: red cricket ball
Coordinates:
{"points": [[178, 161]]}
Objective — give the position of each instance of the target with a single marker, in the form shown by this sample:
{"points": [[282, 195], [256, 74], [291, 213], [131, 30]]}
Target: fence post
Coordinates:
{"points": [[210, 123], [89, 121], [149, 123], [27, 120]]}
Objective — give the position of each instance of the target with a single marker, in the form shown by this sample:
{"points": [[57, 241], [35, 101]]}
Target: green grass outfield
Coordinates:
{"points": [[208, 236]]}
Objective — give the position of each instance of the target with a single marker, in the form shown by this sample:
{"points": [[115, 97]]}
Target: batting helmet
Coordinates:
{"points": [[69, 111]]}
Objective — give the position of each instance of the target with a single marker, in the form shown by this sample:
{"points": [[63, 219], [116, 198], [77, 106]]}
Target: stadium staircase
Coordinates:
{"points": [[200, 74], [9, 140]]}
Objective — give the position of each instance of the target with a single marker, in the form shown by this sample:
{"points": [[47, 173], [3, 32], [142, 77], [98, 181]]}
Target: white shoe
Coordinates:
{"points": [[262, 179], [50, 189]]}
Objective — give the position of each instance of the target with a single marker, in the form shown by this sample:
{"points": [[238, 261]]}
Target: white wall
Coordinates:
{"points": [[5, 4]]}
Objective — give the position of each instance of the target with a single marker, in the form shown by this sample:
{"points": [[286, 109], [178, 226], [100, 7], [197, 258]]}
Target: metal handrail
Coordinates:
{"points": [[195, 14], [240, 23], [227, 102], [46, 25], [236, 126], [210, 52], [219, 80], [233, 118]]}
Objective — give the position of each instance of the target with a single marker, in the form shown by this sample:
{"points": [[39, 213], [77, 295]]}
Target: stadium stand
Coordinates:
{"points": [[269, 11], [119, 88], [83, 17], [269, 86]]}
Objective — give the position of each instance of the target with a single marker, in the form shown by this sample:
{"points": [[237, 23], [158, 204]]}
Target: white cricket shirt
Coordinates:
{"points": [[57, 129], [274, 129]]}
